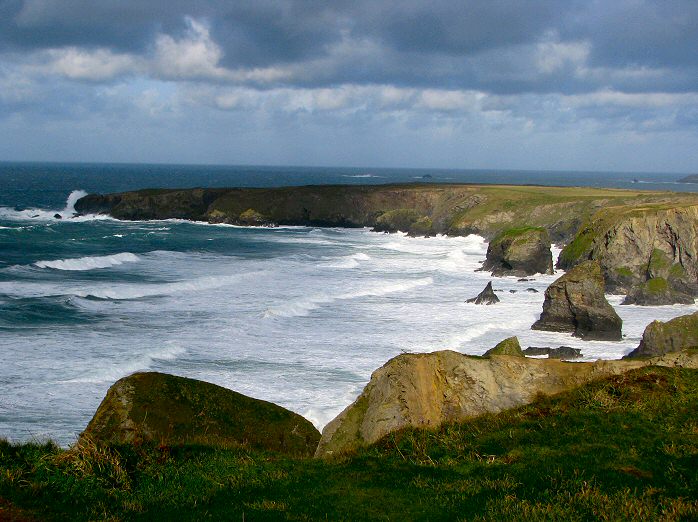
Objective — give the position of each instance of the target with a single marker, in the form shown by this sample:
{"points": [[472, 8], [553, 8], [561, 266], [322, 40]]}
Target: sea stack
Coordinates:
{"points": [[576, 303], [519, 252], [486, 297]]}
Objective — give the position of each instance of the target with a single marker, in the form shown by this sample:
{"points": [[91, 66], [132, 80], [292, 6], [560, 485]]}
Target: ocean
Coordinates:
{"points": [[299, 316]]}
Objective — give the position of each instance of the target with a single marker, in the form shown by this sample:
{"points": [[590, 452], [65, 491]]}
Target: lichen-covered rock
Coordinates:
{"points": [[509, 346], [680, 333], [486, 297], [635, 245], [656, 292], [427, 390], [576, 303], [519, 252], [171, 410]]}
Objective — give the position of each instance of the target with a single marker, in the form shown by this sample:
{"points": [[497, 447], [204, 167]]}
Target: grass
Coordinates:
{"points": [[625, 448]]}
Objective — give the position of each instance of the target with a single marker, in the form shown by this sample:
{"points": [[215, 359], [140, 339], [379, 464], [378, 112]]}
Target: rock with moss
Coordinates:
{"points": [[251, 217], [486, 297], [678, 334], [576, 303], [509, 346], [430, 389], [637, 244], [520, 252], [172, 410], [655, 292]]}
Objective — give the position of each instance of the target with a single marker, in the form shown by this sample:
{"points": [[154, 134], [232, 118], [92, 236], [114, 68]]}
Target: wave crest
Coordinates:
{"points": [[89, 262]]}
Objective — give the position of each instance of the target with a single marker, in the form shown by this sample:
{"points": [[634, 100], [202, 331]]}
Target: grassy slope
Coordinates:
{"points": [[622, 448]]}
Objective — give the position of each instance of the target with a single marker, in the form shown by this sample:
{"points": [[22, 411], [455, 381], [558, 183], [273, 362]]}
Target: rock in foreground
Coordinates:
{"points": [[426, 390], [576, 303], [486, 297], [520, 252], [174, 410], [680, 333]]}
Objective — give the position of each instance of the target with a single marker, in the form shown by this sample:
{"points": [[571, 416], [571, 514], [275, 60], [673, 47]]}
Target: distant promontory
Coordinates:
{"points": [[693, 178]]}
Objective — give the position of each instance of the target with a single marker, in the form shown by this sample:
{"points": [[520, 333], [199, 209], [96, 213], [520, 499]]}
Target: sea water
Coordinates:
{"points": [[299, 316]]}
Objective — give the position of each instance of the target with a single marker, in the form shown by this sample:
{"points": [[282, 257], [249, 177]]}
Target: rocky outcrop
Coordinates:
{"points": [[174, 410], [486, 297], [656, 292], [427, 390], [680, 333], [576, 303], [509, 346], [637, 245], [519, 252], [563, 352]]}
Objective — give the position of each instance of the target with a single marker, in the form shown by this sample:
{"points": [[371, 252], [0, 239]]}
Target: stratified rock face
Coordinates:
{"points": [[680, 333], [426, 390], [174, 410], [486, 297], [576, 303], [509, 346], [656, 292], [520, 252], [637, 245]]}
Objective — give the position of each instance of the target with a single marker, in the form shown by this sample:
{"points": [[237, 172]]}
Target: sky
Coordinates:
{"points": [[554, 85]]}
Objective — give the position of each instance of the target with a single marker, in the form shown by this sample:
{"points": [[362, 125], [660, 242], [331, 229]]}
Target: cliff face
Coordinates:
{"points": [[636, 245], [520, 252], [414, 208], [426, 390]]}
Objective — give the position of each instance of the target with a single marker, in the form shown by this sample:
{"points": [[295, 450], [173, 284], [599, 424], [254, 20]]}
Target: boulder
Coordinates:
{"points": [[576, 303], [429, 389], [486, 297], [508, 346], [519, 252], [656, 292], [680, 333], [563, 352], [174, 410]]}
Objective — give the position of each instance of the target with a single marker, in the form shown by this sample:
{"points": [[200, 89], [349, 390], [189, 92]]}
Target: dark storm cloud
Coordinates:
{"points": [[493, 45]]}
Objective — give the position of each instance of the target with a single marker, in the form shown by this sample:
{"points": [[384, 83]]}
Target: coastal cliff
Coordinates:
{"points": [[420, 209]]}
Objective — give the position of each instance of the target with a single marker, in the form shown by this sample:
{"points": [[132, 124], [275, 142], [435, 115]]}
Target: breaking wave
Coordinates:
{"points": [[89, 262]]}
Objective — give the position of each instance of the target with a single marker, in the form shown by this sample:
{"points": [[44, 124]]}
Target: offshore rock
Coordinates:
{"points": [[563, 352], [680, 333], [427, 390], [636, 245], [172, 410], [519, 252], [656, 292], [509, 346], [486, 297], [576, 303]]}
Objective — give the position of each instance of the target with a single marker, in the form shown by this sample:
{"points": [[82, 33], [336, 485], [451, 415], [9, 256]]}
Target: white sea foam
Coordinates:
{"points": [[89, 262], [303, 306], [361, 176], [40, 214], [350, 261], [113, 372]]}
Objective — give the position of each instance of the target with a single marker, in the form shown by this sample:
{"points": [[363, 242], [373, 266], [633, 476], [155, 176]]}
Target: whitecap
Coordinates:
{"points": [[303, 306], [39, 214], [89, 262], [113, 372]]}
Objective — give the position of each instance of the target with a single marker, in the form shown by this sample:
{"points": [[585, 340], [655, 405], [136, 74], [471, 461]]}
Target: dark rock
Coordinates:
{"points": [[520, 252], [57, 216], [512, 291], [680, 333], [532, 290], [524, 279], [508, 346], [174, 410], [563, 352], [576, 303], [656, 292], [486, 297]]}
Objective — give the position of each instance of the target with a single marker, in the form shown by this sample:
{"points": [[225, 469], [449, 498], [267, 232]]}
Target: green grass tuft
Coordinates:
{"points": [[624, 448]]}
